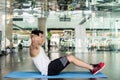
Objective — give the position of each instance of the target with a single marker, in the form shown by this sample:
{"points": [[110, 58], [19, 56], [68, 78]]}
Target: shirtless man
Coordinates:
{"points": [[48, 67]]}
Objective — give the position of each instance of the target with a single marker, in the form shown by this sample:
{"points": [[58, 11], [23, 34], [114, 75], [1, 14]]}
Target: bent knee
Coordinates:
{"points": [[70, 57]]}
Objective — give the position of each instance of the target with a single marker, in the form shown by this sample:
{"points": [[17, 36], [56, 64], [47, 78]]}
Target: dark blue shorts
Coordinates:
{"points": [[57, 65]]}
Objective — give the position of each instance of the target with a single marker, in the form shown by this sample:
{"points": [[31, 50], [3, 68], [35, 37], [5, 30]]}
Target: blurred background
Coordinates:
{"points": [[70, 26]]}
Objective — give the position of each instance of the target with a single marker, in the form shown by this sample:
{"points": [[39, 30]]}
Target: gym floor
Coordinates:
{"points": [[21, 61]]}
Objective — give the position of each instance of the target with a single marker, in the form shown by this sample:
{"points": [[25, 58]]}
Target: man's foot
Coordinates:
{"points": [[97, 68]]}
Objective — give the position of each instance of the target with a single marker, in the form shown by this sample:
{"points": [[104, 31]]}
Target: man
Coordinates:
{"points": [[48, 67], [48, 39]]}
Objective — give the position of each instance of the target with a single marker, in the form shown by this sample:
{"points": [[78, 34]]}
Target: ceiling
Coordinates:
{"points": [[42, 8], [65, 5]]}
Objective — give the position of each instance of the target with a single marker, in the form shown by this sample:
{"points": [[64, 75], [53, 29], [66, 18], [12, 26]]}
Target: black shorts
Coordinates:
{"points": [[57, 65]]}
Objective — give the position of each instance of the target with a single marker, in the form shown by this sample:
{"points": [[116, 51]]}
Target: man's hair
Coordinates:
{"points": [[36, 32]]}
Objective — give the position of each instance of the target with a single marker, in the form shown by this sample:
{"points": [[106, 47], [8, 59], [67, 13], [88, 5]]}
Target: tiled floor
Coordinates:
{"points": [[21, 61]]}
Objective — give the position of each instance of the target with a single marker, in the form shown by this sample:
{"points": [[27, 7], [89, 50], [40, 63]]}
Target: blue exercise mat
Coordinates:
{"points": [[83, 74]]}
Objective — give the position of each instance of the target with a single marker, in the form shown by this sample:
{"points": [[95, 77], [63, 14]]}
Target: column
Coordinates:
{"points": [[2, 23], [9, 21], [42, 24], [80, 39], [43, 18]]}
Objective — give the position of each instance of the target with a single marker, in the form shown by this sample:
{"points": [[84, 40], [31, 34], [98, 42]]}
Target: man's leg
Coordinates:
{"points": [[57, 65], [94, 68], [78, 62]]}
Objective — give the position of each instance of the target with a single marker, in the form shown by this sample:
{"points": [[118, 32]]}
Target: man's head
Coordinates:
{"points": [[37, 32], [37, 35]]}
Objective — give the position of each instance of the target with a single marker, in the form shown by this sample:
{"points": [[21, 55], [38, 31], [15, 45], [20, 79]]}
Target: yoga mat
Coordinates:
{"points": [[83, 74]]}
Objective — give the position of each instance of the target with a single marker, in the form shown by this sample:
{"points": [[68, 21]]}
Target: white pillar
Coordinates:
{"points": [[80, 39]]}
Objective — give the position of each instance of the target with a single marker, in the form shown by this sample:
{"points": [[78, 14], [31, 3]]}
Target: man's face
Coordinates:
{"points": [[41, 39]]}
